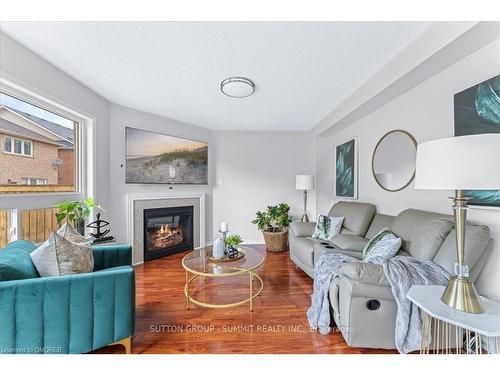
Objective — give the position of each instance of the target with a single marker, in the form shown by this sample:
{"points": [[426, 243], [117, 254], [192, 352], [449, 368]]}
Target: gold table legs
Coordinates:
{"points": [[186, 290], [249, 300], [440, 337], [251, 292]]}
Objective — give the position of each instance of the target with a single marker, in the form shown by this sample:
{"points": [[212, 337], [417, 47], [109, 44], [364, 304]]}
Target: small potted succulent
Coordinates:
{"points": [[232, 242], [274, 223]]}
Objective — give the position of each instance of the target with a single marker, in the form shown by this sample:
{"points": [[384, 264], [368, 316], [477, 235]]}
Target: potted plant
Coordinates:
{"points": [[75, 212], [274, 223], [232, 242]]}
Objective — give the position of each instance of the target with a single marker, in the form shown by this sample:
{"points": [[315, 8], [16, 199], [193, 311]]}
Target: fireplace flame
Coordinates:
{"points": [[167, 230], [165, 236]]}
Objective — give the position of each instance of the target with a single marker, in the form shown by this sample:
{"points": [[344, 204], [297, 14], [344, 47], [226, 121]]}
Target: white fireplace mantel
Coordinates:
{"points": [[131, 199]]}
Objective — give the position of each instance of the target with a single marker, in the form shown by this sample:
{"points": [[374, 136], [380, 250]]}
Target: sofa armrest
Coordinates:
{"points": [[67, 314], [300, 229], [366, 273], [111, 256]]}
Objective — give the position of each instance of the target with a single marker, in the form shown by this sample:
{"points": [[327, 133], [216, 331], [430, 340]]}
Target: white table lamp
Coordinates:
{"points": [[304, 182], [469, 162]]}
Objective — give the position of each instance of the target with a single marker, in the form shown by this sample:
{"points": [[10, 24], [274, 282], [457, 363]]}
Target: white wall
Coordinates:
{"points": [[257, 169], [122, 117], [426, 111], [22, 66]]}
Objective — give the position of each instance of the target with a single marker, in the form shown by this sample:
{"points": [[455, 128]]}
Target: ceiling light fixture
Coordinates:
{"points": [[237, 87]]}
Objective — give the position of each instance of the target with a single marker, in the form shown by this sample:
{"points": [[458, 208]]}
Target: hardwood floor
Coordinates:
{"points": [[278, 323]]}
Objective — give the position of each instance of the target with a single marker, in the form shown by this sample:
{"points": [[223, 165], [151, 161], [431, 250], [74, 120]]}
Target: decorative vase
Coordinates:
{"points": [[231, 252], [218, 248], [276, 242], [80, 226]]}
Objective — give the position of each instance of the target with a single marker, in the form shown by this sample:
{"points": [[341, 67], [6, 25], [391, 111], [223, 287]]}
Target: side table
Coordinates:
{"points": [[445, 329]]}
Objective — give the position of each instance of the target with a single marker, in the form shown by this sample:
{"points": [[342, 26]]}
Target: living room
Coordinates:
{"points": [[265, 187]]}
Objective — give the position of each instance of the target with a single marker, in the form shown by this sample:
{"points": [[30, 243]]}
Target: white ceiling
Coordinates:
{"points": [[302, 70]]}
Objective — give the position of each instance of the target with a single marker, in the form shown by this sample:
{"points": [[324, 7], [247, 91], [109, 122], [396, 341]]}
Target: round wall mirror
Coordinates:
{"points": [[393, 161]]}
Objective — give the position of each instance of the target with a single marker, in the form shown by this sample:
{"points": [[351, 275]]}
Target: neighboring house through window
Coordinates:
{"points": [[37, 148]]}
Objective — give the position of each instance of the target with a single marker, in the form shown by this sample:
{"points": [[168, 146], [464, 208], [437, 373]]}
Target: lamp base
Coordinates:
{"points": [[305, 218], [461, 295]]}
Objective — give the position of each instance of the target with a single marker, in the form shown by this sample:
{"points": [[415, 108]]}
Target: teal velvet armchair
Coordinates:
{"points": [[66, 314]]}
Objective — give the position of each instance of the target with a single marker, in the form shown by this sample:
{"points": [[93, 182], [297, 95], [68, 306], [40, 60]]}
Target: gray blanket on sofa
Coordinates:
{"points": [[401, 271]]}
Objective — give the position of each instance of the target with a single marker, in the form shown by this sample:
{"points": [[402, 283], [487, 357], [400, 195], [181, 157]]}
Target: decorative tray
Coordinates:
{"points": [[241, 254]]}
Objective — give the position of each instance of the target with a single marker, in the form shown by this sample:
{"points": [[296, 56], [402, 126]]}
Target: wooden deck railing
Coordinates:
{"points": [[18, 189], [4, 228], [36, 225]]}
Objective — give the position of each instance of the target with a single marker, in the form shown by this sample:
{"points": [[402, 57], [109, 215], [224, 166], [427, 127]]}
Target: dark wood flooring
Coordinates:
{"points": [[278, 323]]}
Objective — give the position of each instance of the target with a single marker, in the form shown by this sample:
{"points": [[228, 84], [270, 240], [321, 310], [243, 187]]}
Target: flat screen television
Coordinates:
{"points": [[156, 158]]}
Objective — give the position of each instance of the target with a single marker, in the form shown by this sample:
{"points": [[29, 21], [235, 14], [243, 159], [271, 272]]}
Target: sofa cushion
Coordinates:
{"points": [[430, 237], [378, 223], [15, 261], [407, 226], [477, 238], [300, 229], [302, 249], [367, 273], [349, 242], [320, 249], [357, 216]]}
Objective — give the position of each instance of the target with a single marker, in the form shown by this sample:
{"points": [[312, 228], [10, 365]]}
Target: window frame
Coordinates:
{"points": [[85, 141]]}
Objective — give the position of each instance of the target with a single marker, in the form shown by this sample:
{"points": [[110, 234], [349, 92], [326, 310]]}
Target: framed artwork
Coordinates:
{"points": [[346, 169], [155, 158], [477, 111]]}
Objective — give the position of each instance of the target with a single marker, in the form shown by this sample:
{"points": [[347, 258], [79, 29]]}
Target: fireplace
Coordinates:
{"points": [[167, 231]]}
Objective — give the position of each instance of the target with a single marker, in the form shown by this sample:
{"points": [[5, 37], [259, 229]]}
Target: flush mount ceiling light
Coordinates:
{"points": [[237, 87]]}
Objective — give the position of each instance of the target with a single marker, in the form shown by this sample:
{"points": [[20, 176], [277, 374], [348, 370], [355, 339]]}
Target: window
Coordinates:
{"points": [[27, 148], [17, 146], [34, 181], [38, 149], [8, 145]]}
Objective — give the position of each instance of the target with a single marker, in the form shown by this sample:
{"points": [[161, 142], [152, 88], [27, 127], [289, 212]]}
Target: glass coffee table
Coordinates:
{"points": [[199, 263]]}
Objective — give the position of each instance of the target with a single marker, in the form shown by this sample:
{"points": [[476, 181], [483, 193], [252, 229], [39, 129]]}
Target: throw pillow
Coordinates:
{"points": [[384, 245], [59, 256], [327, 227], [67, 231]]}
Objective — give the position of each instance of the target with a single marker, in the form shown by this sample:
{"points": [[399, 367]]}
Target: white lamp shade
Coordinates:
{"points": [[304, 182], [470, 162]]}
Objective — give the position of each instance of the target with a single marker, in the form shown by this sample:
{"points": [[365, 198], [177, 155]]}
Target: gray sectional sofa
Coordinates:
{"points": [[362, 303]]}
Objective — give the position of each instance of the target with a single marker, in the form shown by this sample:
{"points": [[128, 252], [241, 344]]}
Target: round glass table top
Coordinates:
{"points": [[198, 262]]}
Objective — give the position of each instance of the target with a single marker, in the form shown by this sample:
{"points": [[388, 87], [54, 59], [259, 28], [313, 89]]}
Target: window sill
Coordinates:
{"points": [[15, 154]]}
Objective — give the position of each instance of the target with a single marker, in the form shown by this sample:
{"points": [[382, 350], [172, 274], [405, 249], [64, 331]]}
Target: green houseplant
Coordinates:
{"points": [[233, 241], [75, 212], [274, 223]]}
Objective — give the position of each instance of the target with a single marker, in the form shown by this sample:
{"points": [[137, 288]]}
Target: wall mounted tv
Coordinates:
{"points": [[155, 158]]}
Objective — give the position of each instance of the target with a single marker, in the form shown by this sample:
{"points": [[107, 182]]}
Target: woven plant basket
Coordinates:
{"points": [[276, 242]]}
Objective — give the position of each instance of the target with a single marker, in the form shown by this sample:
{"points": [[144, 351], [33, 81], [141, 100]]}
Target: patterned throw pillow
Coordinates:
{"points": [[63, 255], [384, 245], [327, 227]]}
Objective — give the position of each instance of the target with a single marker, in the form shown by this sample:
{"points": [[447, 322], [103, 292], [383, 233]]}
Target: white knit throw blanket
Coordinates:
{"points": [[401, 271]]}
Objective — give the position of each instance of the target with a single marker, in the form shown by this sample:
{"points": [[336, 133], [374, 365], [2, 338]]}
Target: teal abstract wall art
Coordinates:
{"points": [[477, 111], [346, 173]]}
